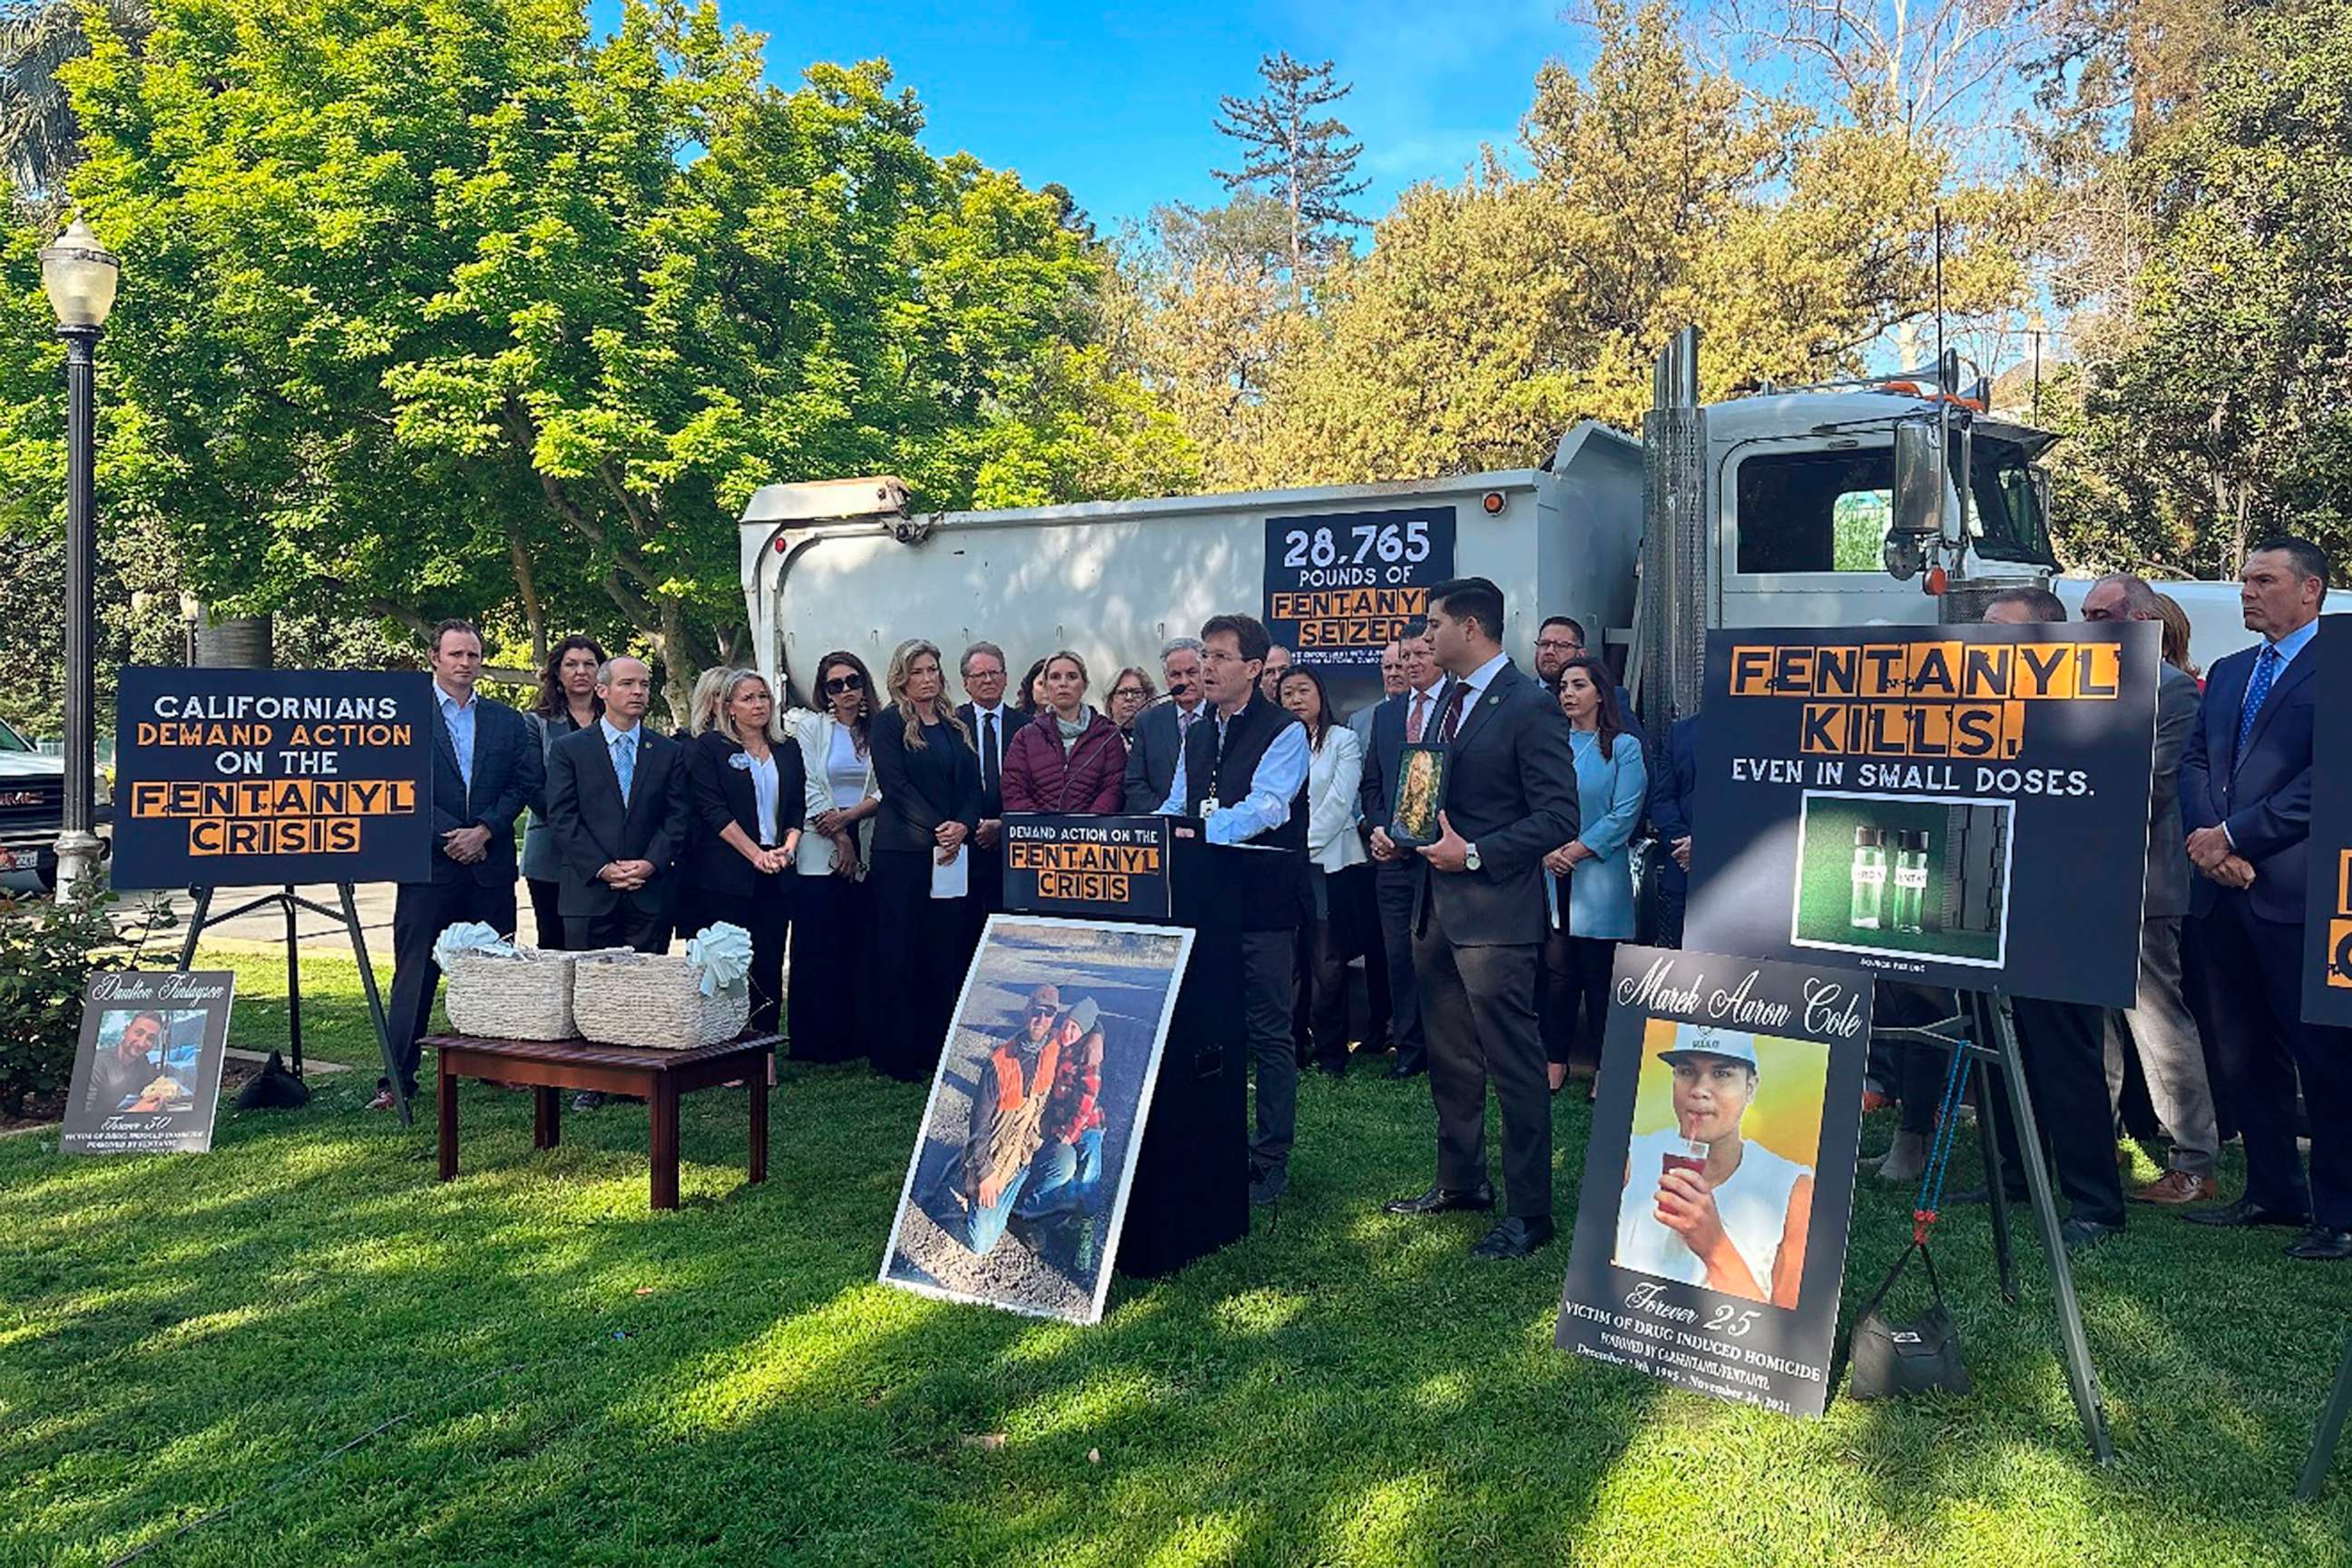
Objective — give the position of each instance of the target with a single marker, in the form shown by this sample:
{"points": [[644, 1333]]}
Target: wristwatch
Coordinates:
{"points": [[1470, 856]]}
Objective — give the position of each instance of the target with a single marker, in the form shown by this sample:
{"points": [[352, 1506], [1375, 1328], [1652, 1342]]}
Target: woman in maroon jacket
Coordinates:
{"points": [[1069, 759]]}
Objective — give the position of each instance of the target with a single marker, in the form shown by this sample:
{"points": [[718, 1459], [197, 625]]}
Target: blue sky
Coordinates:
{"points": [[1115, 101]]}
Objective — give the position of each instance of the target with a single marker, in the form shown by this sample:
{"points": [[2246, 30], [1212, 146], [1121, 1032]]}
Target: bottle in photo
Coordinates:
{"points": [[1908, 903], [1869, 878]]}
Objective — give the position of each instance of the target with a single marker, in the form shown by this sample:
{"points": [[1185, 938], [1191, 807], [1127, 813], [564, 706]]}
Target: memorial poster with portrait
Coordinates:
{"points": [[147, 1072], [1711, 1225]]}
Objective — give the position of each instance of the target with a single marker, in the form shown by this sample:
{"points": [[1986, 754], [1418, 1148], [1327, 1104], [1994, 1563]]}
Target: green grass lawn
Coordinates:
{"points": [[574, 1378]]}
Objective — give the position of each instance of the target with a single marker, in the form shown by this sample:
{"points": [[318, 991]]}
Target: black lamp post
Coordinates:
{"points": [[80, 275]]}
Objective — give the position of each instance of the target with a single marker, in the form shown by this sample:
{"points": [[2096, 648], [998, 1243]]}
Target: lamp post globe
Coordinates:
{"points": [[79, 276]]}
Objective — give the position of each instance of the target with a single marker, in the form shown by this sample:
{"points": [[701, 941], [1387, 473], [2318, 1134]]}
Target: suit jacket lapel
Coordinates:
{"points": [[1485, 703], [2279, 686], [444, 746], [2228, 694]]}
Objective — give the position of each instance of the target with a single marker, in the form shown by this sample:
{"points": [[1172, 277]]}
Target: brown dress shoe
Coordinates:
{"points": [[2175, 1188]]}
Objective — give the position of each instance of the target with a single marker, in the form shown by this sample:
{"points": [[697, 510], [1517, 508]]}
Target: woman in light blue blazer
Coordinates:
{"points": [[1591, 885]]}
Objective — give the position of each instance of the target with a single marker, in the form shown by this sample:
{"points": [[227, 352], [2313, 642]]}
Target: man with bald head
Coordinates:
{"points": [[616, 806], [2158, 1024]]}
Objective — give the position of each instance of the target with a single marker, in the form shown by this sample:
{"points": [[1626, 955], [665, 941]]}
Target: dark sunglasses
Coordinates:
{"points": [[1041, 1012], [841, 683]]}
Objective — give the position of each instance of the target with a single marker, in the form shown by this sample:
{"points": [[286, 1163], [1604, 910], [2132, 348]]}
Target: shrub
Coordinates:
{"points": [[48, 949]]}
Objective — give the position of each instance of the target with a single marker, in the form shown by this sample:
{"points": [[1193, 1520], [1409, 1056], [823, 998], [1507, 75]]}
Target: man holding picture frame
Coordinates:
{"points": [[1510, 797]]}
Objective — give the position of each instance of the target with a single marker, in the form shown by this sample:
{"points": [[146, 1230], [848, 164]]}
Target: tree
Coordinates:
{"points": [[1488, 317], [2223, 411], [39, 140], [1306, 163], [447, 304]]}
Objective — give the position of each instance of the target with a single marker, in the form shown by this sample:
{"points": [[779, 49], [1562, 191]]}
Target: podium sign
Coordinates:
{"points": [[1092, 868]]}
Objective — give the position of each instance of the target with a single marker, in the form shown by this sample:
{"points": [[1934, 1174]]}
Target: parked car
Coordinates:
{"points": [[32, 810]]}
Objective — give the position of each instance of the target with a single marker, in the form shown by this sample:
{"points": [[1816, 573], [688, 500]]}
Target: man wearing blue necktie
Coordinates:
{"points": [[2245, 802], [616, 806]]}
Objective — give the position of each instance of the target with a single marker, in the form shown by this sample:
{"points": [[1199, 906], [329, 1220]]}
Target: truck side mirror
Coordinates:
{"points": [[1918, 500]]}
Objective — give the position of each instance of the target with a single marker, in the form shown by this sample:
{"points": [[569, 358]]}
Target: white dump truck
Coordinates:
{"points": [[1836, 505]]}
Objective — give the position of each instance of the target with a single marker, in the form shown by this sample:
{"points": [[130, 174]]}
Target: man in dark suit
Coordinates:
{"points": [[2062, 1045], [616, 802], [1407, 719], [2245, 802], [1160, 729], [1479, 920], [485, 770], [992, 725], [2157, 1028], [1674, 793]]}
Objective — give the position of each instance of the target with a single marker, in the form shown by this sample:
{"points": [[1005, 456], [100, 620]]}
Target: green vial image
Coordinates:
{"points": [[1908, 901], [1869, 878]]}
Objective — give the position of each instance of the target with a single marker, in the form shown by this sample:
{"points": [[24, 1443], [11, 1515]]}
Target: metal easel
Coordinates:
{"points": [[1984, 1016], [292, 903]]}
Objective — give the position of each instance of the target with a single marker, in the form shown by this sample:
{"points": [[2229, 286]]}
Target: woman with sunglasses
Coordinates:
{"points": [[929, 775], [833, 926]]}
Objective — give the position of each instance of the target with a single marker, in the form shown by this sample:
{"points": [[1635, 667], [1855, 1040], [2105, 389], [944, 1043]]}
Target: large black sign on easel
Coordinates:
{"points": [[1921, 804], [1191, 1190], [242, 778]]}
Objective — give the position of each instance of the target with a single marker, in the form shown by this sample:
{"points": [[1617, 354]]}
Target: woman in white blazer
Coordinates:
{"points": [[832, 932], [1335, 858]]}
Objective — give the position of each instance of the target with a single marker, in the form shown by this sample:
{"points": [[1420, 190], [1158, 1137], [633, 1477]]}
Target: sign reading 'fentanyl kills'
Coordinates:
{"points": [[248, 777], [1953, 806], [1103, 867]]}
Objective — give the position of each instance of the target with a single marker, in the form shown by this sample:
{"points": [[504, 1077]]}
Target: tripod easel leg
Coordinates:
{"points": [[374, 1001], [2080, 1376], [195, 927], [293, 986], [2331, 1428], [1996, 1184]]}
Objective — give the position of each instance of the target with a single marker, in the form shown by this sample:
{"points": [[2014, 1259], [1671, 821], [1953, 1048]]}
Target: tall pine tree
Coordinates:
{"points": [[1305, 163]]}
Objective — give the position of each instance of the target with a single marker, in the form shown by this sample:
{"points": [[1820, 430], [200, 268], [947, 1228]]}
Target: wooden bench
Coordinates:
{"points": [[659, 1078]]}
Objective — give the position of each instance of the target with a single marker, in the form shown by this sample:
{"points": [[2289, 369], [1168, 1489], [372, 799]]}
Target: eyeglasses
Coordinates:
{"points": [[1560, 645], [841, 683], [1128, 691]]}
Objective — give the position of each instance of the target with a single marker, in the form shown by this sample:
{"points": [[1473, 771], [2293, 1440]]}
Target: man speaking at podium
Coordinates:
{"points": [[1246, 776], [1479, 918]]}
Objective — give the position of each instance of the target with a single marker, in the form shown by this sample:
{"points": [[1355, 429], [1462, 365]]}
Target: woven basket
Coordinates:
{"points": [[655, 1000], [526, 995]]}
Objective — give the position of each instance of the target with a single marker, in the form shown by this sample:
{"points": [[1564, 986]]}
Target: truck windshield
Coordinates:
{"points": [[12, 742], [1829, 510]]}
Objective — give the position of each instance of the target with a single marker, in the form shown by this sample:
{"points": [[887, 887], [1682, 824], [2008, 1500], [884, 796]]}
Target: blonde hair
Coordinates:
{"points": [[2176, 633], [702, 704], [1085, 680], [724, 722], [901, 658]]}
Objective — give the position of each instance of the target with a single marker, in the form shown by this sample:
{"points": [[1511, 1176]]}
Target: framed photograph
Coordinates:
{"points": [[147, 1074], [1903, 875], [1018, 1183], [1419, 796], [1718, 1180]]}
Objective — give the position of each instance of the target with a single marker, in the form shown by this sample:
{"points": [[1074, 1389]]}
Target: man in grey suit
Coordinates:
{"points": [[2171, 1055], [1478, 918], [1160, 729]]}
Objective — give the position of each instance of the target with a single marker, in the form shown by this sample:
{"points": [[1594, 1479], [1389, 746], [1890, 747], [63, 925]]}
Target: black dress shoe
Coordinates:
{"points": [[1446, 1200], [2082, 1234], [2319, 1244], [1403, 1069], [1513, 1237], [2243, 1212]]}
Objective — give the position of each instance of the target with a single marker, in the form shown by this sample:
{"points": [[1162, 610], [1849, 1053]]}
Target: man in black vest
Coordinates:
{"points": [[1479, 919], [1246, 776]]}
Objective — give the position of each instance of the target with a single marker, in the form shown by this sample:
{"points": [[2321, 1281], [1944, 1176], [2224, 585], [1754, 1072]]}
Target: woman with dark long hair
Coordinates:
{"points": [[930, 773], [832, 920], [567, 701], [1030, 697], [1335, 876], [1590, 881]]}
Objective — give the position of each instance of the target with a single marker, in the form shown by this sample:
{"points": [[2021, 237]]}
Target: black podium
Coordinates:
{"points": [[1191, 1192]]}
